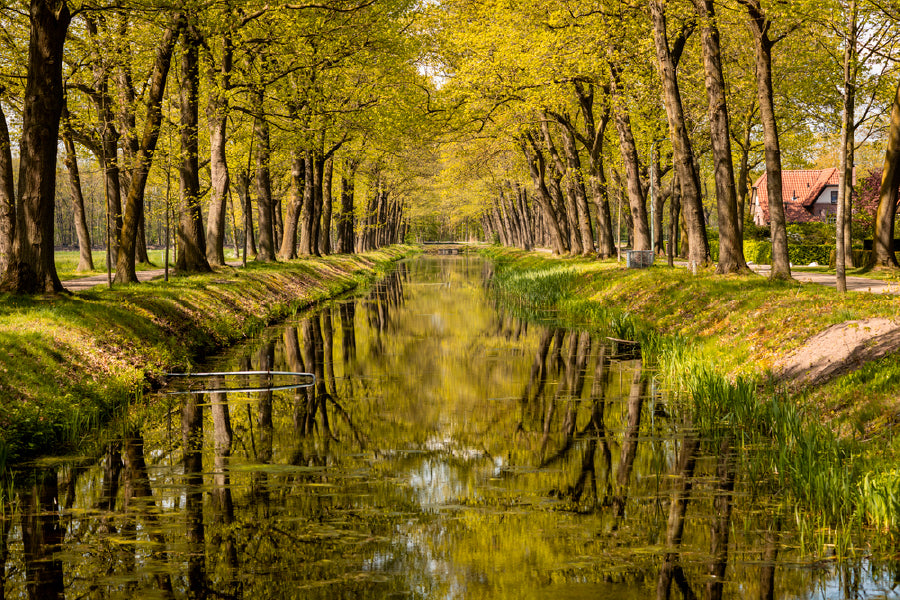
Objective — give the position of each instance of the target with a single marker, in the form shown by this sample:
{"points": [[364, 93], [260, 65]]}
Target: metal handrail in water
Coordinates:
{"points": [[243, 390]]}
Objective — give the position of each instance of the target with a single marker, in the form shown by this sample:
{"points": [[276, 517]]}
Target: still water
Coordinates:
{"points": [[447, 450]]}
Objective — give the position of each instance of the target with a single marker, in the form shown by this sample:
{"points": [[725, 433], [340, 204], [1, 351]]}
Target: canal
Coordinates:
{"points": [[447, 449]]}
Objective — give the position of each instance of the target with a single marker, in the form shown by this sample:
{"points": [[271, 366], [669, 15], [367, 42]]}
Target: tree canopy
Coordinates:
{"points": [[309, 128]]}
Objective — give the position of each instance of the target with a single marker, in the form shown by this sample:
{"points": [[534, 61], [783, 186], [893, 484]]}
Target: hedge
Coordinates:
{"points": [[760, 252]]}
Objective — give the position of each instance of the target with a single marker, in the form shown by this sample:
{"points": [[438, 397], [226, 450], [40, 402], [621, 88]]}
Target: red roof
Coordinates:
{"points": [[799, 190]]}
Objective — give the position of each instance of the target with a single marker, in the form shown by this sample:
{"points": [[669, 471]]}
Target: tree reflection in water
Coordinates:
{"points": [[447, 450]]}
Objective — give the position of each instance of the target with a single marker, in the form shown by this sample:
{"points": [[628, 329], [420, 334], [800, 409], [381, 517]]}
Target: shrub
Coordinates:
{"points": [[813, 234], [805, 254], [756, 232], [758, 251], [860, 257]]}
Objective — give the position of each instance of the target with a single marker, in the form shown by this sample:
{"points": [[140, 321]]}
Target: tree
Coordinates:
{"points": [[761, 26], [7, 195], [85, 256], [692, 206], [217, 122], [140, 170], [883, 244], [628, 150], [31, 267], [731, 248], [847, 146], [191, 239]]}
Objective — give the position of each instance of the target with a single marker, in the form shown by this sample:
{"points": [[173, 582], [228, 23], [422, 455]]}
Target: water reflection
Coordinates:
{"points": [[447, 450]]}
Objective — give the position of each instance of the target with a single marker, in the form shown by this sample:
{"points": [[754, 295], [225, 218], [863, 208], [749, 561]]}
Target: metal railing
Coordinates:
{"points": [[245, 390]]}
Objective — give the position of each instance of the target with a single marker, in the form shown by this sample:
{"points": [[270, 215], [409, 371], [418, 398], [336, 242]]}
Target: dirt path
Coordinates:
{"points": [[839, 349], [85, 283]]}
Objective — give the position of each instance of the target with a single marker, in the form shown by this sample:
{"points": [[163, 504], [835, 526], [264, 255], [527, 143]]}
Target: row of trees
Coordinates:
{"points": [[302, 102], [552, 115], [660, 101]]}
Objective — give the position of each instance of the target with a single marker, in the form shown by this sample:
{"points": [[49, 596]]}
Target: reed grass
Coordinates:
{"points": [[535, 289], [880, 501]]}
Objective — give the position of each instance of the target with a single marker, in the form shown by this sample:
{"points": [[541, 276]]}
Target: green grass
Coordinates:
{"points": [[67, 262]]}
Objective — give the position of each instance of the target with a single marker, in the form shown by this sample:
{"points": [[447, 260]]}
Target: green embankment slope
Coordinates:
{"points": [[69, 363], [826, 446]]}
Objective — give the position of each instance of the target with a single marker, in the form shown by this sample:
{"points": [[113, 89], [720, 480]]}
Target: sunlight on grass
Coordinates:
{"points": [[67, 262]]}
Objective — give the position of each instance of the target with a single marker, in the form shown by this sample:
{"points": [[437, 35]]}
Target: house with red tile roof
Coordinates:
{"points": [[809, 195]]}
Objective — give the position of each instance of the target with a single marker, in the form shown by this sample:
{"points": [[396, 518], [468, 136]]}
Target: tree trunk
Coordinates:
{"points": [[85, 257], [217, 117], [576, 182], [674, 217], [731, 247], [242, 185], [628, 149], [537, 166], [131, 144], [743, 179], [781, 266], [847, 143], [134, 205], [657, 202], [508, 219], [691, 202], [519, 215], [289, 239], [346, 219], [31, 267], [316, 221], [522, 196], [307, 213], [109, 137], [380, 219], [263, 182], [566, 201], [594, 136], [883, 250], [7, 195], [277, 220], [191, 235], [327, 176]]}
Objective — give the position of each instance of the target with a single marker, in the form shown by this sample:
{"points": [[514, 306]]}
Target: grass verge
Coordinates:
{"points": [[70, 363]]}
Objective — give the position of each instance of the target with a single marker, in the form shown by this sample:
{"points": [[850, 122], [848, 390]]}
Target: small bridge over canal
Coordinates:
{"points": [[448, 247]]}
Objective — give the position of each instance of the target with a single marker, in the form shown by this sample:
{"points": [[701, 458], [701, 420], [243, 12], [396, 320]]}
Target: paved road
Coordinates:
{"points": [[854, 284]]}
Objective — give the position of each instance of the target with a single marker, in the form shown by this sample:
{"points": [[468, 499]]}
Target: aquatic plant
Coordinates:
{"points": [[880, 500], [541, 288]]}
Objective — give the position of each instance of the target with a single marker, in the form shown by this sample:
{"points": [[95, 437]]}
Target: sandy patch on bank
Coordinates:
{"points": [[839, 349]]}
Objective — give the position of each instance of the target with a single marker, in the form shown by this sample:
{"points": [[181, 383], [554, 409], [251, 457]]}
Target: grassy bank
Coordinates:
{"points": [[715, 342], [69, 363]]}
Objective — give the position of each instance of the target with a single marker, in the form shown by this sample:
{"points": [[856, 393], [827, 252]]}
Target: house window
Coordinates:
{"points": [[834, 197]]}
